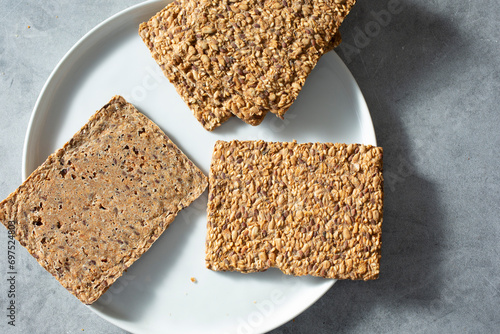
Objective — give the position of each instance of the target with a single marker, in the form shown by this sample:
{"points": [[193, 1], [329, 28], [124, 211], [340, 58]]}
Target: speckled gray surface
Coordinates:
{"points": [[430, 74]]}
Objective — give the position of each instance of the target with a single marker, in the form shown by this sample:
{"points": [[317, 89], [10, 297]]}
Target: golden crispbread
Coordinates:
{"points": [[312, 208]]}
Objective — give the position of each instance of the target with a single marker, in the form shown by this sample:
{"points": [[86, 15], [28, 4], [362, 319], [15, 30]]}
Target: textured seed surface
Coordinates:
{"points": [[303, 208], [97, 204], [244, 58]]}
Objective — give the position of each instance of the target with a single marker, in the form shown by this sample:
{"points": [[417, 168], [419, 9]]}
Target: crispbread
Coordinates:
{"points": [[248, 57], [304, 208], [97, 204]]}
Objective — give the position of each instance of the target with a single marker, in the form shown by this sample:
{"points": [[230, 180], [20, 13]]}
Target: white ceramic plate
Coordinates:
{"points": [[157, 294]]}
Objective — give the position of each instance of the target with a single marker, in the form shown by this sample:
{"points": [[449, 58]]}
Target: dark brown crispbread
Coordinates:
{"points": [[304, 208], [244, 58], [97, 204]]}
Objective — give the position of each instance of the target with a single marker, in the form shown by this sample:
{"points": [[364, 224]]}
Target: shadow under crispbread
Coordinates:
{"points": [[412, 234]]}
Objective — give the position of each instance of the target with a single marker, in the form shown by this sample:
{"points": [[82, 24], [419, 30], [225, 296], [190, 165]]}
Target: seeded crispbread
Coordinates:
{"points": [[97, 204], [311, 208], [245, 58]]}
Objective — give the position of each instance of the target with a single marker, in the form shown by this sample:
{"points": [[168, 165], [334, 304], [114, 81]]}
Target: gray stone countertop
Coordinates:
{"points": [[430, 73]]}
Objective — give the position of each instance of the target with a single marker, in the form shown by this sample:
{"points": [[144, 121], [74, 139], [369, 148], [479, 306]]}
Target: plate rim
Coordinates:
{"points": [[62, 62], [363, 115]]}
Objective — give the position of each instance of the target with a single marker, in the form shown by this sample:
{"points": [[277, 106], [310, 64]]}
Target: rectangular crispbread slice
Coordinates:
{"points": [[311, 208], [97, 204], [247, 57]]}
